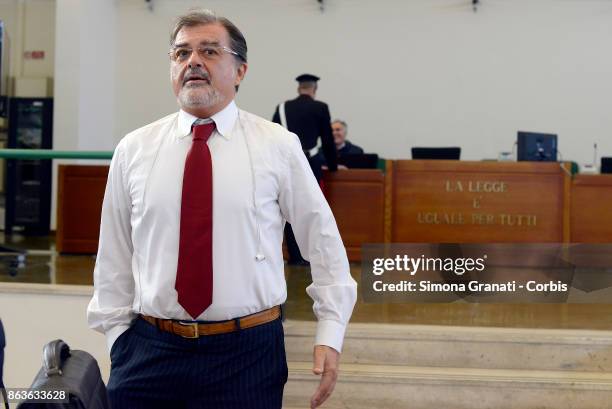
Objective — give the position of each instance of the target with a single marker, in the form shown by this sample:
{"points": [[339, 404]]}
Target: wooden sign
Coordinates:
{"points": [[478, 202]]}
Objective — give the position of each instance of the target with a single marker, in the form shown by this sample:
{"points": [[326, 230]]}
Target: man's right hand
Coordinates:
{"points": [[325, 363]]}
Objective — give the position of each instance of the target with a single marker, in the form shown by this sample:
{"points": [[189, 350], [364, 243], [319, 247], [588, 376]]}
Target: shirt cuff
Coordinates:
{"points": [[114, 333], [331, 334]]}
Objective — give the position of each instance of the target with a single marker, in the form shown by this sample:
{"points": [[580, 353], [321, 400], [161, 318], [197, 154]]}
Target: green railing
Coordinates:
{"points": [[51, 154]]}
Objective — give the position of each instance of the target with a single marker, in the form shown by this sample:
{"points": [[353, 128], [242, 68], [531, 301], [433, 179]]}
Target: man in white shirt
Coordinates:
{"points": [[222, 347]]}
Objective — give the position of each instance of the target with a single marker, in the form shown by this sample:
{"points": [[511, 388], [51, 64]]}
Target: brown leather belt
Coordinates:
{"points": [[191, 329]]}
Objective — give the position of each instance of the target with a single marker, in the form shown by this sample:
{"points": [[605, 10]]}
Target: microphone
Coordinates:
{"points": [[260, 257]]}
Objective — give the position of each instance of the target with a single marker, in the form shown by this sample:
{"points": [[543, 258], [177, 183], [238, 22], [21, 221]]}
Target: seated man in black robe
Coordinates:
{"points": [[343, 146]]}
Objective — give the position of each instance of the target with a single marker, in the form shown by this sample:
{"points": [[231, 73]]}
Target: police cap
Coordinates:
{"points": [[307, 78]]}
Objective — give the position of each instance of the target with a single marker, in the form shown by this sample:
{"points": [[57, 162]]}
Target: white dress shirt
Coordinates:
{"points": [[260, 179]]}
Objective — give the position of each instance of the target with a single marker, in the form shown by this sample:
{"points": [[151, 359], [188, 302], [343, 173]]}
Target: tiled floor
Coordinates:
{"points": [[42, 265]]}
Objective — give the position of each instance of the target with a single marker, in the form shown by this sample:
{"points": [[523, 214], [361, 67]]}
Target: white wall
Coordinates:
{"points": [[39, 17], [85, 74], [403, 73], [96, 75], [30, 25], [84, 110]]}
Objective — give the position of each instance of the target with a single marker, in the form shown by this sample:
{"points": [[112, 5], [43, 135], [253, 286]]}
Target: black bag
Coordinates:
{"points": [[2, 344], [76, 372]]}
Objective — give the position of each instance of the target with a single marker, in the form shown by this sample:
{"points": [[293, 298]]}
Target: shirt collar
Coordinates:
{"points": [[224, 121]]}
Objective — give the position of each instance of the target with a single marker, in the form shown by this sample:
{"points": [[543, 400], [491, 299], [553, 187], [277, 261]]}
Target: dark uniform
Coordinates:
{"points": [[309, 120], [347, 150]]}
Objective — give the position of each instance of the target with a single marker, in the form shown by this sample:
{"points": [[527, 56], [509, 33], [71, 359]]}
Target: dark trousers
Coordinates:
{"points": [[151, 369]]}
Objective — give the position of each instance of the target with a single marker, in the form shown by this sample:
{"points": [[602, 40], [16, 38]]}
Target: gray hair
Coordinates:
{"points": [[340, 121], [200, 17]]}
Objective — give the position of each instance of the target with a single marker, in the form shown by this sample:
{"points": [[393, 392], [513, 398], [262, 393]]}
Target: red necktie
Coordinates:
{"points": [[194, 275]]}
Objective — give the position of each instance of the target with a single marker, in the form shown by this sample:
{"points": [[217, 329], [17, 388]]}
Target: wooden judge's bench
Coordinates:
{"points": [[412, 201]]}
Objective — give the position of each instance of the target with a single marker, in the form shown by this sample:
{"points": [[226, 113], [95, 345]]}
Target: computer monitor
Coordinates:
{"points": [[606, 165], [537, 147], [361, 161], [452, 153]]}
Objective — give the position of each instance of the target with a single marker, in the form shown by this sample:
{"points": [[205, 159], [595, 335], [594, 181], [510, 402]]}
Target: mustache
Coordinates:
{"points": [[196, 74]]}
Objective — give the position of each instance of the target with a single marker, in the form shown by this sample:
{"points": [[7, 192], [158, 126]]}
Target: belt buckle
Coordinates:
{"points": [[194, 325]]}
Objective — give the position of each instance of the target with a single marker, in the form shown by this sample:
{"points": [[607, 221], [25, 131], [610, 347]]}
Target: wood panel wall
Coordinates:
{"points": [[478, 202], [591, 209], [357, 199], [412, 202], [79, 206]]}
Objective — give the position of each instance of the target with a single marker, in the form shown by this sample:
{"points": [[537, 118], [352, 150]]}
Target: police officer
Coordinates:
{"points": [[308, 119]]}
